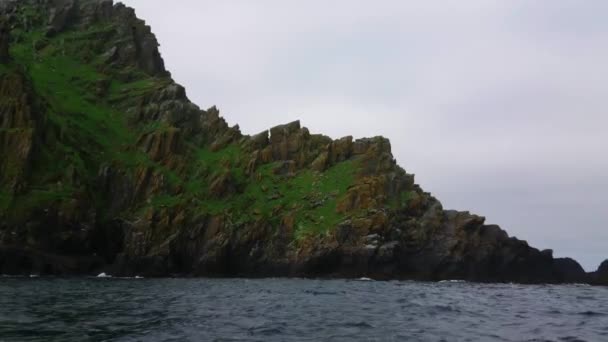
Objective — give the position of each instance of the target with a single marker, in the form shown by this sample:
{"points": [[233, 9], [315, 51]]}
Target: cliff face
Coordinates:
{"points": [[107, 166]]}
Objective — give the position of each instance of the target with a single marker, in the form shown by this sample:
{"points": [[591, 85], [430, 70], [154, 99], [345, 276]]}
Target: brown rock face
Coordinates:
{"points": [[18, 121], [222, 185]]}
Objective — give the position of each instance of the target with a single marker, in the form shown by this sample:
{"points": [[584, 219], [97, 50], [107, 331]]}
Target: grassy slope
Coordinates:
{"points": [[85, 131]]}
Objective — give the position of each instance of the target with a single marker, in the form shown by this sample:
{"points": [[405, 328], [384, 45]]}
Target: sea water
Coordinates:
{"points": [[110, 309]]}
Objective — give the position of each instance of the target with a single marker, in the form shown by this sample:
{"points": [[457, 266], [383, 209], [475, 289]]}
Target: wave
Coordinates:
{"points": [[104, 275], [453, 281]]}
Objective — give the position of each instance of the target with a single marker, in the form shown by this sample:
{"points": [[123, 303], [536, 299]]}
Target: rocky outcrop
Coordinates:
{"points": [[569, 270], [601, 275], [136, 45], [603, 269], [62, 13], [107, 166]]}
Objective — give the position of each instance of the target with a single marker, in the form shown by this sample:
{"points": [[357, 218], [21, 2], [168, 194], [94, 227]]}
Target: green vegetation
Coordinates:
{"points": [[92, 119], [85, 130], [120, 91], [5, 200], [226, 158], [327, 189], [311, 196], [194, 184]]}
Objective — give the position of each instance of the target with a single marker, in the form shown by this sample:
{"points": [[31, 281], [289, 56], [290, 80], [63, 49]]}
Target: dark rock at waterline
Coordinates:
{"points": [[569, 270], [5, 39], [26, 262], [601, 275]]}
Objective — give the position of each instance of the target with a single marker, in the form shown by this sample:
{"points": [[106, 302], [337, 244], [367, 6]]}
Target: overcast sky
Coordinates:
{"points": [[498, 107]]}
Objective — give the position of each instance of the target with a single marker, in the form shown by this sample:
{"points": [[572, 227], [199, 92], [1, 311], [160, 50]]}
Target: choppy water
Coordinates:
{"points": [[296, 310]]}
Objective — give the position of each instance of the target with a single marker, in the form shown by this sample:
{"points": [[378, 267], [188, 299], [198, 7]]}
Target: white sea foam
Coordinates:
{"points": [[453, 281]]}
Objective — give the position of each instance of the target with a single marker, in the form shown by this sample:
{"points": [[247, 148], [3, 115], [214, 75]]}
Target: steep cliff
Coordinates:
{"points": [[107, 166]]}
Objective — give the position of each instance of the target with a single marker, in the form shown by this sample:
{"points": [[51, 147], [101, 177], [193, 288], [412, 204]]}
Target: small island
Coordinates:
{"points": [[106, 166]]}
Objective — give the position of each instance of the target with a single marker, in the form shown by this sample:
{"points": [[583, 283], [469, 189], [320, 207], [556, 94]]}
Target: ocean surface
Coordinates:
{"points": [[109, 309]]}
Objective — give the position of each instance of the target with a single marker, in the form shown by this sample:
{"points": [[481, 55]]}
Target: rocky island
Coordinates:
{"points": [[106, 166]]}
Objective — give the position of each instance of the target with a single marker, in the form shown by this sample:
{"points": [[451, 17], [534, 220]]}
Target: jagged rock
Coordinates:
{"points": [[340, 150], [285, 140], [259, 141], [368, 193], [253, 163], [170, 106], [279, 133], [212, 125], [161, 145], [229, 136], [386, 252], [110, 55], [172, 92], [321, 162], [138, 45], [285, 168], [96, 11], [222, 185], [376, 145], [345, 232], [62, 13]]}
